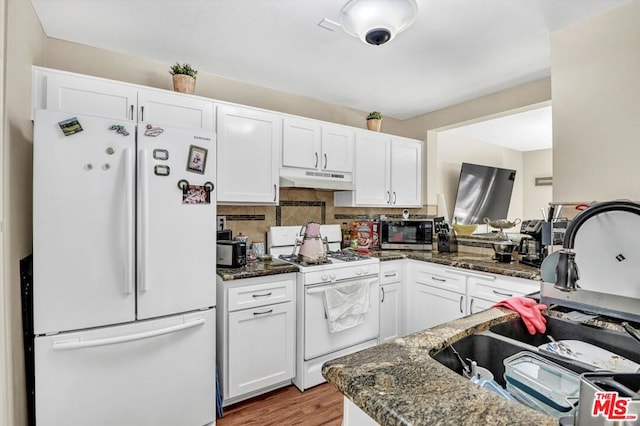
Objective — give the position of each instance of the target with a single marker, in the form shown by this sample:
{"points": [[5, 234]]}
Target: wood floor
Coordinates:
{"points": [[318, 406]]}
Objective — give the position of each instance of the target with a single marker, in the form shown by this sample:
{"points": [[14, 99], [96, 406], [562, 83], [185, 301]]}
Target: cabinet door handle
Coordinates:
{"points": [[394, 197], [325, 162], [142, 113], [263, 313], [255, 296], [275, 192], [316, 166], [471, 306], [461, 299], [382, 288], [388, 197], [132, 112], [502, 294], [442, 280]]}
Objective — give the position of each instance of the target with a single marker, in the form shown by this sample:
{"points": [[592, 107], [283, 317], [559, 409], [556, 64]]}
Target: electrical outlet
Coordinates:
{"points": [[222, 222]]}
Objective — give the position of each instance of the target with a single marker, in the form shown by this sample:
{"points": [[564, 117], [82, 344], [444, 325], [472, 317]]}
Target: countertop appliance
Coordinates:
{"points": [[231, 254], [531, 249], [316, 343], [406, 234], [123, 292], [224, 235]]}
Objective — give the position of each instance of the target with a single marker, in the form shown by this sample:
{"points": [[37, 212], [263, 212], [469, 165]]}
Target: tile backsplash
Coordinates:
{"points": [[297, 207]]}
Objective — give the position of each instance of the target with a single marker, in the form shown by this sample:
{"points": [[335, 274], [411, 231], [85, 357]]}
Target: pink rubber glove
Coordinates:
{"points": [[530, 312]]}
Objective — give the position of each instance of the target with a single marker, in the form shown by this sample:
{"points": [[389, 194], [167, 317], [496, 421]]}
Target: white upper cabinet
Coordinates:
{"points": [[313, 145], [301, 143], [388, 172], [76, 93], [248, 155], [406, 172], [174, 109]]}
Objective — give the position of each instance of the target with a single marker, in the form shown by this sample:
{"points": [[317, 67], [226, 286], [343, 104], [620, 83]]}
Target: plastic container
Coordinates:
{"points": [[543, 384]]}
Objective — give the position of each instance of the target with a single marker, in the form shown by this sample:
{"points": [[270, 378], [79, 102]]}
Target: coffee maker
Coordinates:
{"points": [[532, 249]]}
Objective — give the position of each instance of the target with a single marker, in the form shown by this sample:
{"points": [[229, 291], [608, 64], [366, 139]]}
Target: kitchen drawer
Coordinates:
{"points": [[391, 272], [441, 278], [253, 296], [497, 288]]}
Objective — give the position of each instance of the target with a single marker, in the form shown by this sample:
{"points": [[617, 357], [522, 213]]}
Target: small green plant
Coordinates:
{"points": [[375, 115], [183, 69]]}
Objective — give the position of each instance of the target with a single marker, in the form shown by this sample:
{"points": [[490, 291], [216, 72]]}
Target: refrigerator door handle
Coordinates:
{"points": [[143, 189], [130, 240], [81, 344]]}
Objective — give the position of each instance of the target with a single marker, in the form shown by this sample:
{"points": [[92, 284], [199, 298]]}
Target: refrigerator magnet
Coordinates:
{"points": [[153, 131], [70, 126], [196, 194], [119, 129], [197, 159]]}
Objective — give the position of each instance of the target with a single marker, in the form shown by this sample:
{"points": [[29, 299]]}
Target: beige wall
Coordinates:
{"points": [[538, 163], [596, 105], [25, 45]]}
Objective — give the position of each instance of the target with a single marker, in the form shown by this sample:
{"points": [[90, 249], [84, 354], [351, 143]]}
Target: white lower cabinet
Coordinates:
{"points": [[391, 312], [433, 306], [439, 293], [256, 348], [436, 295]]}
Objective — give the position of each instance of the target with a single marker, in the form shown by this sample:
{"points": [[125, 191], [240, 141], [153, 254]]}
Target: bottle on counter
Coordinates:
{"points": [[346, 235]]}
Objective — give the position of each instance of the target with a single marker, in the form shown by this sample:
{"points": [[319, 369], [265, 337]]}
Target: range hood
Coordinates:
{"points": [[329, 181]]}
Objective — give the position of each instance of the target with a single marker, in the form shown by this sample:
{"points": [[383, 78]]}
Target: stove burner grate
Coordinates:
{"points": [[293, 258]]}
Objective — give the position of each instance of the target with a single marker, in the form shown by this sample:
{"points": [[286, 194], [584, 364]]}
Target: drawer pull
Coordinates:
{"points": [[261, 295], [390, 274], [502, 294], [442, 280], [263, 313]]}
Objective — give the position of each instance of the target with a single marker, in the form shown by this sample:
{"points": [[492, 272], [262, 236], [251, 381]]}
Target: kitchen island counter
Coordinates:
{"points": [[398, 383]]}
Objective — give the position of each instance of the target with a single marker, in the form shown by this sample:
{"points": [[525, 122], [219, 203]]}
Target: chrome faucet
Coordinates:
{"points": [[567, 270]]}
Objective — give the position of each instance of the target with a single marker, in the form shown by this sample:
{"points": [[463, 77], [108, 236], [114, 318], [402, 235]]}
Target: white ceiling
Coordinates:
{"points": [[523, 131], [456, 50]]}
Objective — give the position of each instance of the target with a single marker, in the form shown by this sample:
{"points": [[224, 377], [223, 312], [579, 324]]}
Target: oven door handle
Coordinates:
{"points": [[321, 289]]}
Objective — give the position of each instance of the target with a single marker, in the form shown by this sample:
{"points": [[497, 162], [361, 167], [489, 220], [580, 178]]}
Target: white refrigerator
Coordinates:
{"points": [[123, 272]]}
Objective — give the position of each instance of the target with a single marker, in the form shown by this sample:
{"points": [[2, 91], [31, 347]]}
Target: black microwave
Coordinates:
{"points": [[406, 234]]}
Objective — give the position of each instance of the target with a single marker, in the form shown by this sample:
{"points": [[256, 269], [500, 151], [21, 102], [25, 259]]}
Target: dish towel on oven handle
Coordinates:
{"points": [[346, 305]]}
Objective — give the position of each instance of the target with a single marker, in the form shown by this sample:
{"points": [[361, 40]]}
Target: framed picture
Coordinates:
{"points": [[197, 160]]}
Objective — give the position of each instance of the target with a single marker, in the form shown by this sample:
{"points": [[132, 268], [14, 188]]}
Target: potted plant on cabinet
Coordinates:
{"points": [[184, 78], [374, 121]]}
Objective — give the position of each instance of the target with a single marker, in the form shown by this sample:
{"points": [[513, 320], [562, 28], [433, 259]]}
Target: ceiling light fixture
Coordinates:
{"points": [[377, 21]]}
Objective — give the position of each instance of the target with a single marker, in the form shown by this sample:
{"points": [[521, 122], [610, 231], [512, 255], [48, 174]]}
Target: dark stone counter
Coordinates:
{"points": [[256, 269], [398, 383]]}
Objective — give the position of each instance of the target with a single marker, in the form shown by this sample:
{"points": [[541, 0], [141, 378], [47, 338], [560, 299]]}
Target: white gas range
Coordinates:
{"points": [[319, 339]]}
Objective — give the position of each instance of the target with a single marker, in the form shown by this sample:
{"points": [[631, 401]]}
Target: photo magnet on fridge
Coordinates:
{"points": [[70, 126], [196, 194], [197, 159]]}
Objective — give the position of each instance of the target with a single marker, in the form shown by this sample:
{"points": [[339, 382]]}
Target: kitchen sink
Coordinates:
{"points": [[562, 329], [489, 350]]}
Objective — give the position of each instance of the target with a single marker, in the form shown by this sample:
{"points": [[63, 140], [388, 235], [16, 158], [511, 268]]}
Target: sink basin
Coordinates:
{"points": [[561, 329], [489, 350]]}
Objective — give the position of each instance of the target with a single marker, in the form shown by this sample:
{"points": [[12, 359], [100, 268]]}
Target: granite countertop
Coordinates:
{"points": [[470, 261], [473, 262], [256, 269], [398, 383]]}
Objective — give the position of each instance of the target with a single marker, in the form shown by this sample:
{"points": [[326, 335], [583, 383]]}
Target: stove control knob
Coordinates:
{"points": [[324, 276], [333, 276], [358, 271], [365, 270]]}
